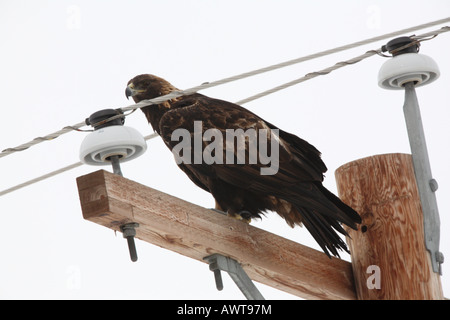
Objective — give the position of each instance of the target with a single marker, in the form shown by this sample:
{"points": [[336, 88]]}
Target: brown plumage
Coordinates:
{"points": [[295, 192]]}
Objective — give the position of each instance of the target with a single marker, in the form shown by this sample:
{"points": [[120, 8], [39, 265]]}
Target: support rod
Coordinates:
{"points": [[422, 171], [219, 262]]}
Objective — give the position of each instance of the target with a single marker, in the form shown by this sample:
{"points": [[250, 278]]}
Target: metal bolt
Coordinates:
{"points": [[440, 260], [129, 232], [434, 185], [217, 275], [115, 161], [439, 257]]}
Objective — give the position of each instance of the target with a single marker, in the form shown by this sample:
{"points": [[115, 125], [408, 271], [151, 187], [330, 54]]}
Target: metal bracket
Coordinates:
{"points": [[218, 262], [425, 182]]}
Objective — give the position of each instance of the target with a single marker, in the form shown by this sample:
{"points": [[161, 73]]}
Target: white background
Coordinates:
{"points": [[63, 60]]}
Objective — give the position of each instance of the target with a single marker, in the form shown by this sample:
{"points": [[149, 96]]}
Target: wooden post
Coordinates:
{"points": [[111, 200], [389, 257]]}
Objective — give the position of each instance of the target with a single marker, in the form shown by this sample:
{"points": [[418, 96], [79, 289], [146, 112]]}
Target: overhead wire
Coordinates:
{"points": [[207, 85], [55, 173], [311, 75]]}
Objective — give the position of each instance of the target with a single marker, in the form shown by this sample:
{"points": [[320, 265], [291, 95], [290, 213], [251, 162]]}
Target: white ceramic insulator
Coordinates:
{"points": [[125, 142], [407, 67]]}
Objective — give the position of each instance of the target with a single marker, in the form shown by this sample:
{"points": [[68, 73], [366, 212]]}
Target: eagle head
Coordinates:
{"points": [[147, 86]]}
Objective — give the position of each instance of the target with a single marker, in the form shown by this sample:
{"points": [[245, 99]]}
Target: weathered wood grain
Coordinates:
{"points": [[383, 190]]}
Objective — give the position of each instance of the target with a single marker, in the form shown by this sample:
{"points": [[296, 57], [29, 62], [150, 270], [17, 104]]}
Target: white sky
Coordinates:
{"points": [[63, 60]]}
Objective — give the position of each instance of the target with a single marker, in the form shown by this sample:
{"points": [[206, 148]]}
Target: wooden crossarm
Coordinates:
{"points": [[196, 232]]}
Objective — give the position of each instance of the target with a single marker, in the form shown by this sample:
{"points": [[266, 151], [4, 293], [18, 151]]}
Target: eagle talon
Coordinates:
{"points": [[244, 216]]}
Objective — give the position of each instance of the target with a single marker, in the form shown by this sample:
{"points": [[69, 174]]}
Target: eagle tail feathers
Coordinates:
{"points": [[323, 229], [324, 217]]}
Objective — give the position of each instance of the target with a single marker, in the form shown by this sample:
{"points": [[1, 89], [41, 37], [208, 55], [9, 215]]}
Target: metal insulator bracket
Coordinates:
{"points": [[218, 262]]}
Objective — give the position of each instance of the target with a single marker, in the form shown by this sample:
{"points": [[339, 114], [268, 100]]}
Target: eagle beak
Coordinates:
{"points": [[129, 92]]}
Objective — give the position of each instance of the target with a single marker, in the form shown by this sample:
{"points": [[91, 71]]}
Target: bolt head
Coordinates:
{"points": [[129, 229]]}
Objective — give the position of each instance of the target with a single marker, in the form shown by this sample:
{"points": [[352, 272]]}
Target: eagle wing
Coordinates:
{"points": [[300, 165], [295, 191], [299, 160]]}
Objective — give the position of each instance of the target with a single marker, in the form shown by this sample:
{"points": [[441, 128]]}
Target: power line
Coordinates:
{"points": [[207, 85], [43, 177], [54, 173], [338, 65], [257, 96], [158, 100], [311, 75]]}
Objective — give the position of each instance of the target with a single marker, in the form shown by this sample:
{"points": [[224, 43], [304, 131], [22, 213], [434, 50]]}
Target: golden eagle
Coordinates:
{"points": [[293, 188]]}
